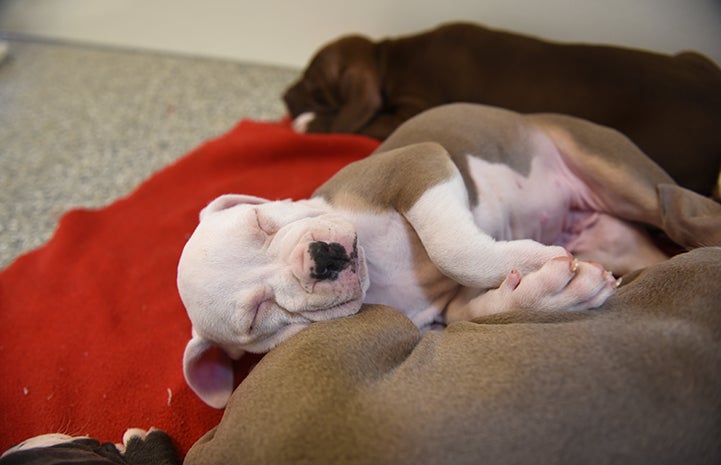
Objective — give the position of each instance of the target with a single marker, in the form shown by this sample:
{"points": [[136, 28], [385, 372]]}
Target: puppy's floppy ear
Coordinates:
{"points": [[230, 200], [208, 370], [359, 85]]}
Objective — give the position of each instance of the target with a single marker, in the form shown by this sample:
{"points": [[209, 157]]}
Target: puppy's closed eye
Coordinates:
{"points": [[258, 307], [265, 224]]}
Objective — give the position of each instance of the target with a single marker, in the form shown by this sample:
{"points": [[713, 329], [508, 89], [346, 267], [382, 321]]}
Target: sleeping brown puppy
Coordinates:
{"points": [[670, 106]]}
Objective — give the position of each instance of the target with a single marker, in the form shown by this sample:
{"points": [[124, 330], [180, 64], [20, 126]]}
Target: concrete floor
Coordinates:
{"points": [[82, 126]]}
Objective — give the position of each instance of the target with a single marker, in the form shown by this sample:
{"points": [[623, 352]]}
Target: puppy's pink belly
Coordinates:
{"points": [[545, 206], [553, 224]]}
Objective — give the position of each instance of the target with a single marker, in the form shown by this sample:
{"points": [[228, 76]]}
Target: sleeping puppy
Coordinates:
{"points": [[670, 106], [466, 210], [139, 447]]}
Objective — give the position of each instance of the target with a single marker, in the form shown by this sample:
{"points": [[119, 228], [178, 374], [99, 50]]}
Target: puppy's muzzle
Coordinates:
{"points": [[329, 259]]}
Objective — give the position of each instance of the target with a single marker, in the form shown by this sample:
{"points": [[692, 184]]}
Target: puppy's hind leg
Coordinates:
{"points": [[460, 249], [621, 246], [621, 179]]}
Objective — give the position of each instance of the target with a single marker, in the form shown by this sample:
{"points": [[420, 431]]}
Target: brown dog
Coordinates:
{"points": [[637, 381], [670, 106]]}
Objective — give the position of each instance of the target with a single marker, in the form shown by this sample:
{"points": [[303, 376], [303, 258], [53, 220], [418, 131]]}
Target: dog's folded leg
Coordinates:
{"points": [[621, 246], [461, 250], [622, 178], [562, 284]]}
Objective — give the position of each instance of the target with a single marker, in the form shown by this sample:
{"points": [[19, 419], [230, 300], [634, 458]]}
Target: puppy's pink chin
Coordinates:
{"points": [[340, 310]]}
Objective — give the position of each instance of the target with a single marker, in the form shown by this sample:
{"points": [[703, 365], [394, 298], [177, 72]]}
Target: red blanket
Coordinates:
{"points": [[92, 330]]}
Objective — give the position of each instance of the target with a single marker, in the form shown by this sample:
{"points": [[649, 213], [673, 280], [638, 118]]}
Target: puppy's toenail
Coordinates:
{"points": [[574, 265], [618, 282]]}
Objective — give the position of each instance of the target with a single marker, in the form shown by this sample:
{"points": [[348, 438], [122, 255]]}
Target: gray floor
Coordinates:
{"points": [[83, 126]]}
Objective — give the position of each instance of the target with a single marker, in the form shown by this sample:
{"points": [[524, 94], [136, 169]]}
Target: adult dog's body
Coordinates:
{"points": [[638, 382], [474, 222], [670, 106]]}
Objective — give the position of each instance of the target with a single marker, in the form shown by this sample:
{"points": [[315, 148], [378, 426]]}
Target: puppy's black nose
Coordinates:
{"points": [[329, 259]]}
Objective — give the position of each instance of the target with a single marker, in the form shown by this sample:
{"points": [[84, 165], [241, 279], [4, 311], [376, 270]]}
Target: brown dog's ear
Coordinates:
{"points": [[360, 95], [351, 77]]}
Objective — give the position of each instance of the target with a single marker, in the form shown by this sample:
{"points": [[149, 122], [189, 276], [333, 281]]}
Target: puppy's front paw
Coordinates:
{"points": [[562, 283], [527, 256], [301, 122]]}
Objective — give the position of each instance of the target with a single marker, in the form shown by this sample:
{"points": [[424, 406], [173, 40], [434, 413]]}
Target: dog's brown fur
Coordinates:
{"points": [[670, 106], [637, 381]]}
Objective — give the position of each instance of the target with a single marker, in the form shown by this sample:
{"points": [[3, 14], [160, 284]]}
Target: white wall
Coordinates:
{"points": [[287, 32]]}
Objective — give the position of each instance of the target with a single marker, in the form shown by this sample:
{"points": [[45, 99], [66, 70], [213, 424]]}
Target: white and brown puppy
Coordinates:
{"points": [[465, 210]]}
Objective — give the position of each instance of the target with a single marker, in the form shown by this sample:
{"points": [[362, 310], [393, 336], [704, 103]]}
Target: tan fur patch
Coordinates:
{"points": [[383, 181]]}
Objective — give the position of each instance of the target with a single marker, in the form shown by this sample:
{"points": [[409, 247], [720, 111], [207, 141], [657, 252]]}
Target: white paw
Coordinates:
{"points": [[527, 255], [131, 433], [301, 122], [562, 283]]}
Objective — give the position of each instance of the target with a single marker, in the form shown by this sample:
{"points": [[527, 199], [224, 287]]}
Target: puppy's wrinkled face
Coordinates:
{"points": [[252, 274]]}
